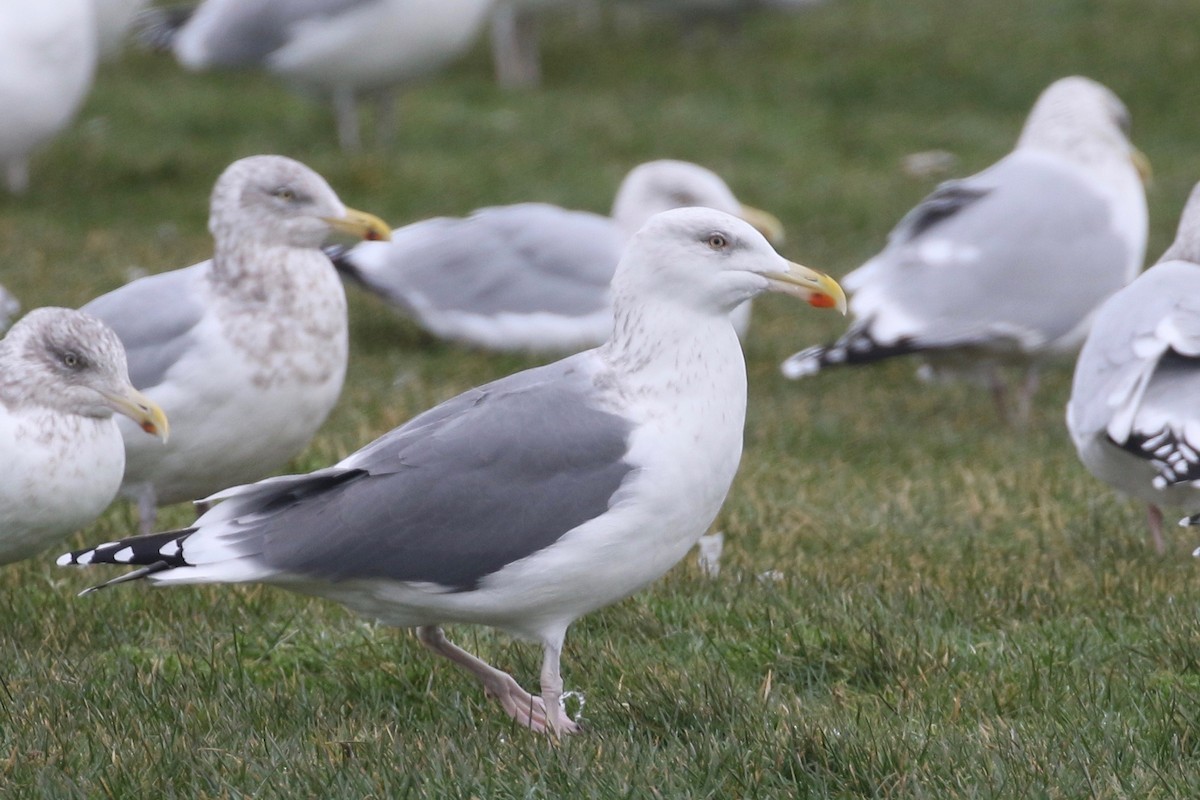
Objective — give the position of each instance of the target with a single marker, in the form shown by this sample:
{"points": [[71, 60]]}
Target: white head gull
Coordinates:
{"points": [[246, 352], [1007, 266], [47, 61], [62, 377], [1133, 412], [529, 501], [344, 49], [532, 276]]}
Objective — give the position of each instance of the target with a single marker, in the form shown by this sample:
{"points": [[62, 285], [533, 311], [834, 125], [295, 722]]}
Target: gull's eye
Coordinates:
{"points": [[72, 360], [717, 241], [285, 194]]}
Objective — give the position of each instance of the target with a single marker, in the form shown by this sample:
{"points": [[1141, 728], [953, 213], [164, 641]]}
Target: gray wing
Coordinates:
{"points": [[239, 33], [155, 318], [1023, 250], [518, 259], [1139, 371], [476, 483]]}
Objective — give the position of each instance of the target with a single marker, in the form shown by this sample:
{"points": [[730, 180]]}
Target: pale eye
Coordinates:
{"points": [[72, 361], [285, 194], [717, 241]]}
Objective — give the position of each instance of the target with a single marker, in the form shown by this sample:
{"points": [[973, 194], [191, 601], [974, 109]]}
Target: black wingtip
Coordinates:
{"points": [[858, 346]]}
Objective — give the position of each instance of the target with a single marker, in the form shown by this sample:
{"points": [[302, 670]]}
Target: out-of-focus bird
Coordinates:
{"points": [[246, 352], [346, 50], [532, 500], [47, 62], [532, 276], [1009, 265], [1134, 412], [62, 377]]}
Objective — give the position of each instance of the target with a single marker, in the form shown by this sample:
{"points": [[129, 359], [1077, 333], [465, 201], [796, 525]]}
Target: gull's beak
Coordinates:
{"points": [[765, 223], [820, 290], [361, 225], [142, 410], [1142, 165]]}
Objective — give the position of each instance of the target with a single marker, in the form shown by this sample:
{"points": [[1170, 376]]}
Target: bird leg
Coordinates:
{"points": [[515, 47], [999, 389], [345, 108], [1154, 516], [1025, 394], [519, 704], [147, 508], [556, 715]]}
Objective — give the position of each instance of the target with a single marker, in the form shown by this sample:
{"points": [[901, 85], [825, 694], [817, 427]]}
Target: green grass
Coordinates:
{"points": [[962, 611]]}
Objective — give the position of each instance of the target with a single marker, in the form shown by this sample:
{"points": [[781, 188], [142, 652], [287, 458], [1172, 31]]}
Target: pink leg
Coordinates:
{"points": [[519, 704], [1154, 516], [552, 686]]}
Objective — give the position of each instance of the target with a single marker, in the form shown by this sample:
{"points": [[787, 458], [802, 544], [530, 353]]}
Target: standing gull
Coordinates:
{"points": [[342, 49], [62, 377], [532, 276], [529, 501], [47, 61], [1133, 412], [1009, 265], [246, 352]]}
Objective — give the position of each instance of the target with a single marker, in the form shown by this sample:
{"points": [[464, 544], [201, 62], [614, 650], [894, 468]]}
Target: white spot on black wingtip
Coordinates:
{"points": [[83, 559], [65, 560], [171, 548], [124, 555], [1187, 522], [801, 365], [1196, 553]]}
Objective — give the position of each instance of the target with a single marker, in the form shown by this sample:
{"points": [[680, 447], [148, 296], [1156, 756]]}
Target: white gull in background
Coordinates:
{"points": [[246, 352], [341, 49], [62, 377], [1134, 412], [9, 306], [1009, 265], [47, 62], [532, 500], [532, 276]]}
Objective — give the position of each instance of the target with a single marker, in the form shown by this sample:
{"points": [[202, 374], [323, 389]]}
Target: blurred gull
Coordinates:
{"points": [[343, 49], [62, 377], [1133, 412], [47, 61], [1009, 265], [245, 352], [530, 501], [532, 276]]}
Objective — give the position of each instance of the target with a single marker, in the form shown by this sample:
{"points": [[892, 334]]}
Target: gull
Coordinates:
{"points": [[532, 276], [62, 377], [48, 56], [530, 501], [1009, 265], [247, 351], [1133, 413], [341, 49]]}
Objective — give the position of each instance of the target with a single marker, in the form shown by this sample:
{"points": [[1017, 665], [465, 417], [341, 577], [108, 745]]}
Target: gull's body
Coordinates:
{"points": [[48, 57], [343, 49], [530, 501], [1009, 265], [1134, 413], [62, 377], [532, 276], [247, 352]]}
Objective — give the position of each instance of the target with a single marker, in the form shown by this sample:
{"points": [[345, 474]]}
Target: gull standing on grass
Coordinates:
{"points": [[532, 276], [246, 352], [1009, 265], [1134, 412], [530, 501], [342, 49], [48, 55], [62, 377]]}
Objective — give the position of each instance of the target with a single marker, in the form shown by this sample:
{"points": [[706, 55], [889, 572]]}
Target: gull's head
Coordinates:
{"points": [[712, 261], [73, 363], [1084, 120], [658, 186], [275, 200]]}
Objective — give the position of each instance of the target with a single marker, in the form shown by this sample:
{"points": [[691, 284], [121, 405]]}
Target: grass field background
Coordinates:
{"points": [[915, 601]]}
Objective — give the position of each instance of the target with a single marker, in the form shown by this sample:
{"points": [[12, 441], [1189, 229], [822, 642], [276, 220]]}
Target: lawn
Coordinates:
{"points": [[916, 601]]}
